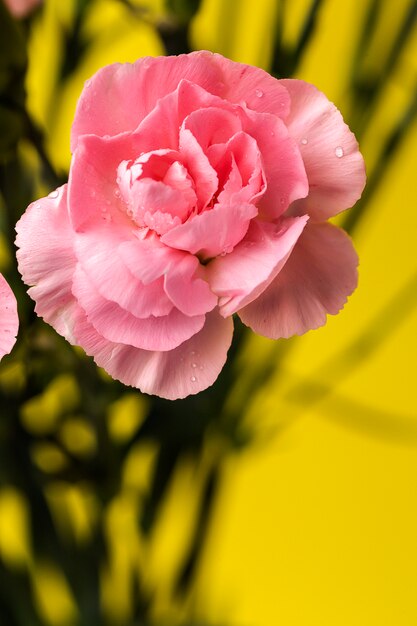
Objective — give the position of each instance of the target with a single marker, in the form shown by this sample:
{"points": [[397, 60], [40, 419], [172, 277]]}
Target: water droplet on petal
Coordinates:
{"points": [[339, 152], [201, 367], [193, 379], [304, 141], [105, 215], [117, 193], [259, 93], [194, 365], [54, 194], [192, 352]]}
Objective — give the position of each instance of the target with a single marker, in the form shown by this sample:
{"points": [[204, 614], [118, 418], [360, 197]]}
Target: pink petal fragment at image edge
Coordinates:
{"points": [[9, 321]]}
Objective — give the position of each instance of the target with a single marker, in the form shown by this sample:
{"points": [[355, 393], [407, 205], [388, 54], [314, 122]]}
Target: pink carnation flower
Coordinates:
{"points": [[21, 8], [198, 188], [9, 321]]}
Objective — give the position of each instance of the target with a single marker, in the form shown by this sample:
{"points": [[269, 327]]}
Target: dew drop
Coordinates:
{"points": [[201, 367], [87, 83], [54, 194], [192, 352], [193, 365], [339, 152], [259, 93], [117, 193], [304, 141], [193, 379]]}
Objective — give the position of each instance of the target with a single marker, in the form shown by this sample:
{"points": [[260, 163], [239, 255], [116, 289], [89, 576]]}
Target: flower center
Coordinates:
{"points": [[157, 190]]}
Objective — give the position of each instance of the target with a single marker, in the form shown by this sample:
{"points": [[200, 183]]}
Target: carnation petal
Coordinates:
{"points": [[159, 129], [316, 280], [213, 124], [334, 165], [204, 176], [240, 170], [283, 166], [148, 258], [254, 87], [46, 259], [9, 321], [184, 277], [98, 254], [240, 277], [119, 96], [188, 369], [93, 194], [189, 292], [214, 232], [118, 325]]}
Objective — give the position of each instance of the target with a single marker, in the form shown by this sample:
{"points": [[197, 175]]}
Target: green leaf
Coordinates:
{"points": [[13, 57], [11, 128], [184, 10]]}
